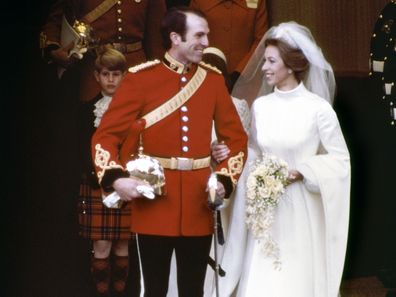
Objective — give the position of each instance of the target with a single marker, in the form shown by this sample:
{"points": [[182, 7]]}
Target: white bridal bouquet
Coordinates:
{"points": [[265, 186]]}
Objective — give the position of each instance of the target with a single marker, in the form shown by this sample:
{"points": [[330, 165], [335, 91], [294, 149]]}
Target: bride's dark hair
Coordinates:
{"points": [[293, 58]]}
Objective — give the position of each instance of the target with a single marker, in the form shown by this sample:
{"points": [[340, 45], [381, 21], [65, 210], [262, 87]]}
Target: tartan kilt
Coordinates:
{"points": [[96, 221]]}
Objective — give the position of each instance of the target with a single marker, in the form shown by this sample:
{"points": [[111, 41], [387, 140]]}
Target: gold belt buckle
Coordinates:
{"points": [[184, 163]]}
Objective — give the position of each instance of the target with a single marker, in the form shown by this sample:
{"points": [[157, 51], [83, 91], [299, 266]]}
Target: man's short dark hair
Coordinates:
{"points": [[175, 20]]}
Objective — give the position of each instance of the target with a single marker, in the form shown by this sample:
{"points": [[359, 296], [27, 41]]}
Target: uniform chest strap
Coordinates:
{"points": [[176, 101], [98, 11]]}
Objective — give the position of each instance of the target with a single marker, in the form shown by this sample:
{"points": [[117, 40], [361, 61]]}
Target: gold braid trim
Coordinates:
{"points": [[235, 166], [102, 158], [210, 67], [143, 66]]}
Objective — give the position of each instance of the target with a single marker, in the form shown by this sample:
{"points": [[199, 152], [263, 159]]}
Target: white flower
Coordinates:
{"points": [[150, 170], [142, 164], [265, 186], [101, 106]]}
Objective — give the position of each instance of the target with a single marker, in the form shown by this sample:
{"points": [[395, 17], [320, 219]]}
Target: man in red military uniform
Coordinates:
{"points": [[179, 220], [236, 28], [131, 26]]}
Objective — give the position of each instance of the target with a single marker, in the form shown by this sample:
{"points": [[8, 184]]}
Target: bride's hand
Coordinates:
{"points": [[294, 176], [220, 151]]}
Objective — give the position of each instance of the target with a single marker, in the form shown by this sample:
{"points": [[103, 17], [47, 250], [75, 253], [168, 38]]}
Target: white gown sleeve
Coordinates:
{"points": [[332, 141], [330, 173]]}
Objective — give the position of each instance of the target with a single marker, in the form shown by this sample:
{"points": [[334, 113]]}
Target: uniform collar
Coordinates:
{"points": [[175, 65]]}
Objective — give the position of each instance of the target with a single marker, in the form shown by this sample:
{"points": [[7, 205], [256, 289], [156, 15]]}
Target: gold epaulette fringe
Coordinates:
{"points": [[210, 67], [144, 65]]}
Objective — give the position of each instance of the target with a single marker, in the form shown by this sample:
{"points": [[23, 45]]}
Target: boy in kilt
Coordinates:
{"points": [[108, 228]]}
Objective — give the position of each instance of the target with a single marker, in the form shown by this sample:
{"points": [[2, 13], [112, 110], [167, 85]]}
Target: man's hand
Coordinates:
{"points": [[61, 55], [220, 191], [126, 188], [219, 201]]}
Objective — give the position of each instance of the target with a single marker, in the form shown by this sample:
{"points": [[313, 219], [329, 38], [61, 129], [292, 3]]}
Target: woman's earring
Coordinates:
{"points": [[290, 71]]}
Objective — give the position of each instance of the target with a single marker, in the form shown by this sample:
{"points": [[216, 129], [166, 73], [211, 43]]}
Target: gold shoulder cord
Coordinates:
{"points": [[143, 66], [210, 67]]}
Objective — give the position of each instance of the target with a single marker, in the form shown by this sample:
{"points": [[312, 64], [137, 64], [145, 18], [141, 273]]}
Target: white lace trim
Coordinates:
{"points": [[101, 106]]}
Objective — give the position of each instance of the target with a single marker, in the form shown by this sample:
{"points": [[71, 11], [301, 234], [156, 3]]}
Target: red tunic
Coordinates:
{"points": [[128, 21], [183, 210], [235, 28]]}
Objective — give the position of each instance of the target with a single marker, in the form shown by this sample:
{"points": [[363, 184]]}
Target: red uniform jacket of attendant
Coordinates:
{"points": [[235, 28], [183, 211], [128, 21]]}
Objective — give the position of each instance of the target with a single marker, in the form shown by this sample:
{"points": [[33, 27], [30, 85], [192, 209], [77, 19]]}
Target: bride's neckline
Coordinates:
{"points": [[300, 87]]}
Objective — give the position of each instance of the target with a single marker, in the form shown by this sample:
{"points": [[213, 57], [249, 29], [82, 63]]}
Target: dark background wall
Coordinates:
{"points": [[342, 28], [45, 257]]}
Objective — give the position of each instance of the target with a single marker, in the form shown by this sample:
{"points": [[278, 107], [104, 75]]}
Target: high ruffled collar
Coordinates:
{"points": [[105, 97], [100, 108]]}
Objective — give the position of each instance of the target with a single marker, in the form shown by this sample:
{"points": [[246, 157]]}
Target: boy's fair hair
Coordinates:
{"points": [[111, 59]]}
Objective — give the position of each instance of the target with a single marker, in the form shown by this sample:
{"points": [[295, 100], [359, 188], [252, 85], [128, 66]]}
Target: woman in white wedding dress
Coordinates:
{"points": [[292, 118]]}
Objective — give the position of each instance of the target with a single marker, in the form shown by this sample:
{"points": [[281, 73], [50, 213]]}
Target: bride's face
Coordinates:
{"points": [[275, 71]]}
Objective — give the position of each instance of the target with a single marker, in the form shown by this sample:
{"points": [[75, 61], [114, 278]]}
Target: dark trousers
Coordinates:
{"points": [[191, 259], [133, 282]]}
